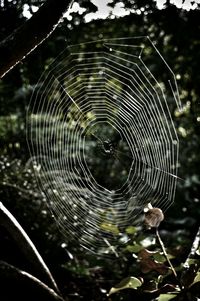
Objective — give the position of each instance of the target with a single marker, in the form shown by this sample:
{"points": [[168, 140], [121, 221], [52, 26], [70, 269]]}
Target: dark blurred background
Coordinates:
{"points": [[175, 30]]}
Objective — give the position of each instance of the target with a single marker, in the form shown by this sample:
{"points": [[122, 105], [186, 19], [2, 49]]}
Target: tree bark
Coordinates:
{"points": [[33, 32]]}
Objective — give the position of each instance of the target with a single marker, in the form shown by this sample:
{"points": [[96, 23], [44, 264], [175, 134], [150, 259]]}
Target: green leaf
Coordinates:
{"points": [[195, 287], [161, 258], [197, 278], [150, 286], [108, 227], [131, 230], [134, 248], [188, 275], [129, 282], [166, 297], [191, 261]]}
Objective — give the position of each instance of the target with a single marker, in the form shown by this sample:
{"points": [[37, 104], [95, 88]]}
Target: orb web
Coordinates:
{"points": [[101, 132]]}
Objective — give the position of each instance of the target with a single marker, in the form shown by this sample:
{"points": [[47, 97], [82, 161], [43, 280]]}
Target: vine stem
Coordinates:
{"points": [[167, 257]]}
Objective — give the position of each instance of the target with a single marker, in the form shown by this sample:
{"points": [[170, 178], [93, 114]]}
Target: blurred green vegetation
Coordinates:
{"points": [[81, 275]]}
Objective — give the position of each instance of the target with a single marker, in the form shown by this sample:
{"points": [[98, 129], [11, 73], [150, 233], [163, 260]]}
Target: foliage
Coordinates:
{"points": [[164, 282], [81, 275]]}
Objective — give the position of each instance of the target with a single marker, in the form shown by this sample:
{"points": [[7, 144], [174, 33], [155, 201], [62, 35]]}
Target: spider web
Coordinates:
{"points": [[102, 137]]}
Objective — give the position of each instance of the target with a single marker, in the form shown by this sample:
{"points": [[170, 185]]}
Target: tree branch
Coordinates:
{"points": [[33, 32], [8, 221], [194, 248], [22, 285]]}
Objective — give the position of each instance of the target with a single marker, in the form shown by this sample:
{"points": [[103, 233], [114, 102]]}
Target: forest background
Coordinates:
{"points": [[175, 30]]}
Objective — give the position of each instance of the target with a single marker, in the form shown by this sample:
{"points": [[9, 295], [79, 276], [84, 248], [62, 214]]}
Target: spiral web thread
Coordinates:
{"points": [[102, 137]]}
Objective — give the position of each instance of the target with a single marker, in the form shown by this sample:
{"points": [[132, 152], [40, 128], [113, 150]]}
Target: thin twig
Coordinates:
{"points": [[8, 221], [11, 274], [31, 34], [167, 257]]}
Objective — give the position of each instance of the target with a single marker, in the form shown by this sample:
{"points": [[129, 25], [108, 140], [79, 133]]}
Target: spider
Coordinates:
{"points": [[108, 147]]}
